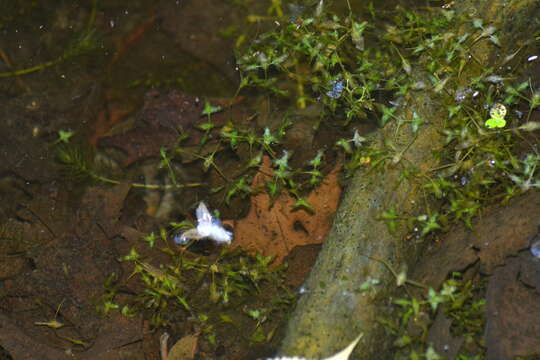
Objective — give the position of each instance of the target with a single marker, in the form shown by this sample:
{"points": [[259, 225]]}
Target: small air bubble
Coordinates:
{"points": [[462, 94], [180, 239]]}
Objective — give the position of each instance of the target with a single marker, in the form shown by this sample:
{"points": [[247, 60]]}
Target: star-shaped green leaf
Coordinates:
{"points": [[209, 109], [64, 136]]}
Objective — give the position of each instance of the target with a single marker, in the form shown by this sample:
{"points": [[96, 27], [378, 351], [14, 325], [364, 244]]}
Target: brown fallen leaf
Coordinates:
{"points": [[183, 349], [276, 228]]}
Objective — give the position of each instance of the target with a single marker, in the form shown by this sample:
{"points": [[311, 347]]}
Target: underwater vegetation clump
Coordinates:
{"points": [[460, 301], [79, 164], [208, 290], [359, 70], [83, 43], [321, 58]]}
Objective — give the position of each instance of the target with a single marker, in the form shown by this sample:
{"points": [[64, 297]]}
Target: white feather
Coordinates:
{"points": [[210, 227], [203, 215]]}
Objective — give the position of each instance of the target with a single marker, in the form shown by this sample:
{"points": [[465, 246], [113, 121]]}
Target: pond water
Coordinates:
{"points": [[119, 120]]}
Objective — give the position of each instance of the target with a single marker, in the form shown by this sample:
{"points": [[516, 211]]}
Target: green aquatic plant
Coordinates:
{"points": [[461, 301], [78, 165], [240, 188], [472, 157], [83, 43], [325, 58], [207, 288], [63, 136], [210, 109]]}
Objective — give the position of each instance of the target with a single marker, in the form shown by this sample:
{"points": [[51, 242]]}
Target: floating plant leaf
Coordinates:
{"points": [[497, 113]]}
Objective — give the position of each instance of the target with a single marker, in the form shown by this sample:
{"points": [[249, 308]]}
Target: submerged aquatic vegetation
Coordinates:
{"points": [[324, 57], [206, 289], [459, 301], [341, 63], [83, 43], [79, 165]]}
